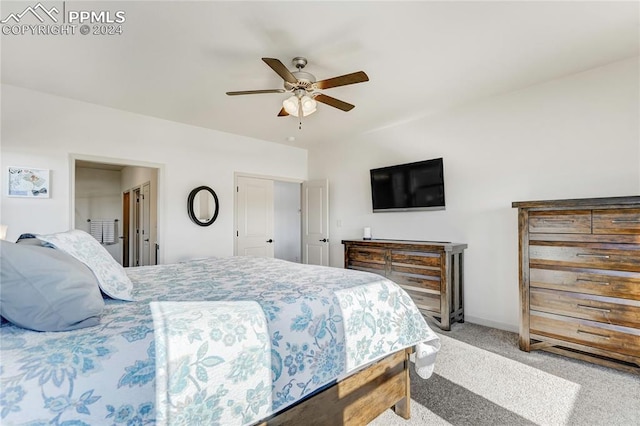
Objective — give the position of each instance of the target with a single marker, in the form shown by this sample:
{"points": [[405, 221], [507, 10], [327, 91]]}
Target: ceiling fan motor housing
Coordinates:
{"points": [[305, 81]]}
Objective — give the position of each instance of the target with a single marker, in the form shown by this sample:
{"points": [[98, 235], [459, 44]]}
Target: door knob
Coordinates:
{"points": [[324, 240], [269, 240]]}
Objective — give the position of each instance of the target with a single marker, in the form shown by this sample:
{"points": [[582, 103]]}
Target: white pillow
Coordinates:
{"points": [[111, 276]]}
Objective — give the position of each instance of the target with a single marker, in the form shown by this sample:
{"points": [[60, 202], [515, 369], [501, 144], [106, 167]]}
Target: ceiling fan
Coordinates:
{"points": [[304, 88]]}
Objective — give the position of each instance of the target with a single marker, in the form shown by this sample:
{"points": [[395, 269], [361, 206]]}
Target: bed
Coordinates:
{"points": [[235, 340]]}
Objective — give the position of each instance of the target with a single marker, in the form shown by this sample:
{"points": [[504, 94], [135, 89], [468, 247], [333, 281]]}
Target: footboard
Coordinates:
{"points": [[357, 399]]}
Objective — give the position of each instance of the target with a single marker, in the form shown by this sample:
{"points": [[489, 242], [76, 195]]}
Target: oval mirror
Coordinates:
{"points": [[202, 206]]}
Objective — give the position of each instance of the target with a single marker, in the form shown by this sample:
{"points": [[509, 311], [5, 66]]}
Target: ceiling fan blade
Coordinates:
{"points": [[282, 71], [343, 80], [283, 113], [255, 92], [336, 103]]}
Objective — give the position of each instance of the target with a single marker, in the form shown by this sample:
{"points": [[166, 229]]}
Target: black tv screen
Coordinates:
{"points": [[418, 186]]}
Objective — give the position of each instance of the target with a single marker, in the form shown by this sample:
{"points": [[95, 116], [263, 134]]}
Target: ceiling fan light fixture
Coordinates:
{"points": [[309, 105], [292, 105]]}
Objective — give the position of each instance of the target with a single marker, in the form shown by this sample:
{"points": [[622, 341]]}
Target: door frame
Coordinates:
{"points": [[126, 228], [134, 234], [160, 170], [235, 199]]}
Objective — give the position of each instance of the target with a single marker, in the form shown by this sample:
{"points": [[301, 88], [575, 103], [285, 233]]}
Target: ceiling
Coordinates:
{"points": [[176, 60]]}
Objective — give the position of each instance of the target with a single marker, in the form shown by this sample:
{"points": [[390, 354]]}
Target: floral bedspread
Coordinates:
{"points": [[314, 325]]}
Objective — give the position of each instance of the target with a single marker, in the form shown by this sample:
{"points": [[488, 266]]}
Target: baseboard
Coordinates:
{"points": [[492, 324]]}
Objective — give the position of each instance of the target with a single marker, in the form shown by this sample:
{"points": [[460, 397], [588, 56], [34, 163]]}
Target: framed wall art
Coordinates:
{"points": [[29, 182]]}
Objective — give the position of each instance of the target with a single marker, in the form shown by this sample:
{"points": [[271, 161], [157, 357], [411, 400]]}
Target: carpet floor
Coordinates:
{"points": [[482, 378]]}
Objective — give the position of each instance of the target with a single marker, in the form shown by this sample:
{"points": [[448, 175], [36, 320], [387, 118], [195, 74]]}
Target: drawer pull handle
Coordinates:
{"points": [[598, 256], [603, 336], [625, 221], [587, 280], [593, 308], [568, 221]]}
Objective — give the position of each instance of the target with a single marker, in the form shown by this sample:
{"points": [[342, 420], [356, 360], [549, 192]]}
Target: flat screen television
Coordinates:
{"points": [[412, 186]]}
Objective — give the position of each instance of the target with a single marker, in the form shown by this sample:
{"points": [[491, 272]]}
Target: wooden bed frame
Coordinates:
{"points": [[357, 399]]}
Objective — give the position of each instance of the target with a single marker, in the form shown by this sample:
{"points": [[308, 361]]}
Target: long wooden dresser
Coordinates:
{"points": [[430, 272], [580, 279]]}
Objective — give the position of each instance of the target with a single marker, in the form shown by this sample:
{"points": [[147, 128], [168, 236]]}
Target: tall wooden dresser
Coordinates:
{"points": [[580, 279], [430, 272]]}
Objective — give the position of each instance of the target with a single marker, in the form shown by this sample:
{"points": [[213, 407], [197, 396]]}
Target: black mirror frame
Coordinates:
{"points": [[190, 199]]}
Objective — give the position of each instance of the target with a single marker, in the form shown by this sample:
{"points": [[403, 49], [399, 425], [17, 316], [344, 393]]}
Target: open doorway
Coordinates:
{"points": [[268, 218], [287, 221], [282, 218], [137, 220], [104, 204]]}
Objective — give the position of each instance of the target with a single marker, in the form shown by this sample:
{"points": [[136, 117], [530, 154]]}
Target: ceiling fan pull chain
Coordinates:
{"points": [[300, 112]]}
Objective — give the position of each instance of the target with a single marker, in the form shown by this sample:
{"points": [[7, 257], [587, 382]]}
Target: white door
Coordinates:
{"points": [[315, 222], [254, 217]]}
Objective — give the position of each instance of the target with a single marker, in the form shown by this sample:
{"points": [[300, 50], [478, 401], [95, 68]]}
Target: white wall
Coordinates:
{"points": [[98, 197], [568, 138], [40, 130]]}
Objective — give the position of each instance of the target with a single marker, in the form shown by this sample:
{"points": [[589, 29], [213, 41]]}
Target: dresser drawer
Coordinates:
{"points": [[369, 255], [416, 280], [615, 338], [613, 284], [624, 312], [624, 258], [376, 268], [423, 300], [620, 221], [399, 257], [418, 273], [560, 222]]}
